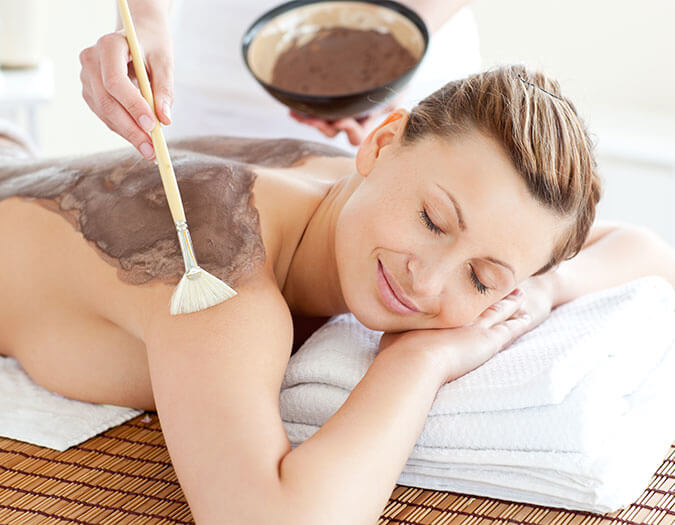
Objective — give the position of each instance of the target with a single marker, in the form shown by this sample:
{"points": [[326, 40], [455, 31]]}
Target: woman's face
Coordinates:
{"points": [[448, 224]]}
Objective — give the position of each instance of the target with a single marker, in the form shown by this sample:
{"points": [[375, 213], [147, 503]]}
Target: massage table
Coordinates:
{"points": [[124, 475]]}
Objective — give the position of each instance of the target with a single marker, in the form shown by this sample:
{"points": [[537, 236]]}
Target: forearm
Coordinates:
{"points": [[435, 12], [147, 12], [345, 473], [622, 254]]}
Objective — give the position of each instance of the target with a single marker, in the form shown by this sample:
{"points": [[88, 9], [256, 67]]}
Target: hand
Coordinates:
{"points": [[457, 351], [355, 129], [110, 89]]}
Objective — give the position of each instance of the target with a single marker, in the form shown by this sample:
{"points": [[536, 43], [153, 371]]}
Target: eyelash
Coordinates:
{"points": [[429, 223], [479, 286]]}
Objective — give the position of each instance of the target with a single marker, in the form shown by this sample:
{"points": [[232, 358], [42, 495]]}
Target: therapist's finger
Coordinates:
{"points": [[161, 80], [322, 125], [110, 111], [116, 118], [355, 131], [114, 58]]}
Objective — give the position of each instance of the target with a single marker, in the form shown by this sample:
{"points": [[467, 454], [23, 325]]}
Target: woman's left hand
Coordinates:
{"points": [[538, 296], [456, 351]]}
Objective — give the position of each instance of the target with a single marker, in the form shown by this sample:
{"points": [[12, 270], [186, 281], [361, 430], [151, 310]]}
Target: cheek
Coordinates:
{"points": [[352, 249], [461, 309]]}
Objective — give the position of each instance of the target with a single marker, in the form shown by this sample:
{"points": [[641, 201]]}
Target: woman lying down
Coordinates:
{"points": [[451, 231]]}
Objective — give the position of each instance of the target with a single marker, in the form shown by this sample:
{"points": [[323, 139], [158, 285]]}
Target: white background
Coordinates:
{"points": [[615, 58]]}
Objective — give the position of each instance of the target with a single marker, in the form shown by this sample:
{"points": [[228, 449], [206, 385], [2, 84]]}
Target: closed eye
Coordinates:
{"points": [[429, 223], [479, 286]]}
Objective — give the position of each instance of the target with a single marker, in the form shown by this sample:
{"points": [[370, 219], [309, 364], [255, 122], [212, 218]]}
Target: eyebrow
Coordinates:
{"points": [[501, 263], [458, 209], [462, 227]]}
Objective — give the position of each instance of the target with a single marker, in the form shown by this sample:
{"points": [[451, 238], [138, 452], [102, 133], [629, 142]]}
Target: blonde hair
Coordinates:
{"points": [[539, 129]]}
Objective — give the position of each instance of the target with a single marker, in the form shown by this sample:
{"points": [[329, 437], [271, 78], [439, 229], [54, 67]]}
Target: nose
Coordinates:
{"points": [[428, 276]]}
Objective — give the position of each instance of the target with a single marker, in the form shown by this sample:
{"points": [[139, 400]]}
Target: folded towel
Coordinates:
{"points": [[611, 478], [540, 368], [583, 451], [592, 405], [30, 413]]}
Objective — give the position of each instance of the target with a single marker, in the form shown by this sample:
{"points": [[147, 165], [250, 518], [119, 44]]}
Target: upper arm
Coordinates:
{"points": [[598, 230], [216, 376]]}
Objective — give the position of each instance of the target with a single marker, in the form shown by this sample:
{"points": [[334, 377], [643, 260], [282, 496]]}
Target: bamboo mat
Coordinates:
{"points": [[125, 476]]}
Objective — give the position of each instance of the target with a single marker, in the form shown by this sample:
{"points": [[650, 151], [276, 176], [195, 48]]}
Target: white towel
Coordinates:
{"points": [[611, 478], [592, 405], [30, 413], [601, 364], [540, 368]]}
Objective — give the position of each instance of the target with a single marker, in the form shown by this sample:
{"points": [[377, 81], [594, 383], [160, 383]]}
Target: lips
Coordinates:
{"points": [[392, 294]]}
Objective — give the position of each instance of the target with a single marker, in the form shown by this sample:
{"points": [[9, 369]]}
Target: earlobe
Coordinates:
{"points": [[388, 132]]}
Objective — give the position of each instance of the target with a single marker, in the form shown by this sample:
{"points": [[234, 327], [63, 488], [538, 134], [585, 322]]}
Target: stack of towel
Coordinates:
{"points": [[578, 413]]}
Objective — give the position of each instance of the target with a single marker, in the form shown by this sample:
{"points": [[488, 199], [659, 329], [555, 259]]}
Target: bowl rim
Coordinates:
{"points": [[263, 19]]}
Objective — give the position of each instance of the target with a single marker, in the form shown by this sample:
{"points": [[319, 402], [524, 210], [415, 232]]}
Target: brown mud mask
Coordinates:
{"points": [[116, 200]]}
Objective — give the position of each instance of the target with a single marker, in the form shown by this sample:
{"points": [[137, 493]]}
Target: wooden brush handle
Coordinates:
{"points": [[161, 150]]}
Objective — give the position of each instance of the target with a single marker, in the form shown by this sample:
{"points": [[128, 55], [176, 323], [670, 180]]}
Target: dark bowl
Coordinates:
{"points": [[260, 50]]}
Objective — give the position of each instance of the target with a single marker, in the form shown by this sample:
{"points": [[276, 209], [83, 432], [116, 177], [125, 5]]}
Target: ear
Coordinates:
{"points": [[387, 133]]}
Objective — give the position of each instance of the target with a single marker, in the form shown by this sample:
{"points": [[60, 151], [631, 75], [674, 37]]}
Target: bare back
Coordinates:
{"points": [[96, 248]]}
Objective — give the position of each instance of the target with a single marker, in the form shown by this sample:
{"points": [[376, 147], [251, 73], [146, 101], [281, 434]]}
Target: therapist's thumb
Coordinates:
{"points": [[161, 80]]}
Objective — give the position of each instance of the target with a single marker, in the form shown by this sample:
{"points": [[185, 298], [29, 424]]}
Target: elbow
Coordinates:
{"points": [[277, 505]]}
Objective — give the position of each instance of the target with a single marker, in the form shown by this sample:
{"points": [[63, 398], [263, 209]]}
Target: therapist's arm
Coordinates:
{"points": [[146, 11], [435, 13]]}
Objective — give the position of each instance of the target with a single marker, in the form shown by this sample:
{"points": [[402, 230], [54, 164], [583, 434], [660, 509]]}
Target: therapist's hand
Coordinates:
{"points": [[355, 129], [110, 88]]}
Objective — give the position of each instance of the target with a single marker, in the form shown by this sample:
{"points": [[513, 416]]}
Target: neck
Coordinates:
{"points": [[312, 286]]}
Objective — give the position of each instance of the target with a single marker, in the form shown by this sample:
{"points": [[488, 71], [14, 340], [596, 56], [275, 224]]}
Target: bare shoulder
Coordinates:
{"points": [[257, 307]]}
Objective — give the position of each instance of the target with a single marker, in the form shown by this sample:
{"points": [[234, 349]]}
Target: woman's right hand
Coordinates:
{"points": [[110, 88], [457, 351]]}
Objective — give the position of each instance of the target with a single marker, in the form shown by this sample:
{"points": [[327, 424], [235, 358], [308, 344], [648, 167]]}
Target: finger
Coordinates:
{"points": [[501, 310], [124, 125], [114, 116], [118, 120], [161, 80], [298, 116], [323, 126], [512, 328], [355, 132], [114, 60]]}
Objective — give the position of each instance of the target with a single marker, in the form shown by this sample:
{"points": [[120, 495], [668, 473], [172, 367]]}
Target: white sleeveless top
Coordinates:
{"points": [[216, 94]]}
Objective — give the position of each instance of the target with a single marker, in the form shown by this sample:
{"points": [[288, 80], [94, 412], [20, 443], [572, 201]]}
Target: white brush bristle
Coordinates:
{"points": [[194, 294]]}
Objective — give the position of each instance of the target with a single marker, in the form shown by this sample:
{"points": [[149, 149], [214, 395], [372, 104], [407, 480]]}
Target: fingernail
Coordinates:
{"points": [[146, 123], [517, 292], [166, 108], [146, 150]]}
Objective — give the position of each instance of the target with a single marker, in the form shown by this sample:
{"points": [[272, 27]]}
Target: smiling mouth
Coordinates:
{"points": [[391, 300]]}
